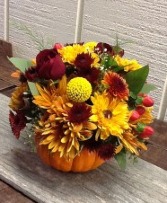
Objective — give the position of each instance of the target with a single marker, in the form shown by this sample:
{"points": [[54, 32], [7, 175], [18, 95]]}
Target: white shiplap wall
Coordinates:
{"points": [[53, 19], [1, 19], [142, 21]]}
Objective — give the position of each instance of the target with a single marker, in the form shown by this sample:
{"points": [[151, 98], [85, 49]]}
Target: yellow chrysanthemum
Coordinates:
{"points": [[128, 65], [111, 116], [69, 53], [131, 143], [96, 60], [17, 101], [89, 46], [79, 89]]}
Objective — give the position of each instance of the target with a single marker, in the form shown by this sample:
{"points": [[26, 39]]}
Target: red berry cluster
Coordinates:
{"points": [[143, 130]]}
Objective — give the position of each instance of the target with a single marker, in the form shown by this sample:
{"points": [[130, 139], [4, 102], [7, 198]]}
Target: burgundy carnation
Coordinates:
{"points": [[91, 74], [83, 60], [17, 122], [106, 151], [79, 113], [104, 48], [31, 74], [50, 65]]}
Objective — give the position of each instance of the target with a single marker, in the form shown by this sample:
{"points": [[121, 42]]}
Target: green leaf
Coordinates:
{"points": [[121, 159], [139, 100], [133, 95], [33, 88], [136, 79], [21, 64], [147, 88]]}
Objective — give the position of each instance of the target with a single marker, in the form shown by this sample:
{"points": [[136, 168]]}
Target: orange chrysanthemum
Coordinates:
{"points": [[131, 143], [116, 85], [61, 132], [48, 95], [17, 101]]}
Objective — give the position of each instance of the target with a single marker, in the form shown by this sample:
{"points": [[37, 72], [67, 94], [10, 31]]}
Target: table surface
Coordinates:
{"points": [[142, 182]]}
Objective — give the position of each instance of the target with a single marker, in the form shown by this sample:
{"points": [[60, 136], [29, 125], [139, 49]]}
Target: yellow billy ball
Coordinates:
{"points": [[79, 89]]}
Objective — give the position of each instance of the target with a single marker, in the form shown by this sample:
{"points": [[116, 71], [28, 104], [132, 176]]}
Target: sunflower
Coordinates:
{"points": [[17, 101], [111, 116], [116, 85], [70, 52], [128, 65]]}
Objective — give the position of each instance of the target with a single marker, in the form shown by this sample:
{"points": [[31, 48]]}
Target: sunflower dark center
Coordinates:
{"points": [[107, 114]]}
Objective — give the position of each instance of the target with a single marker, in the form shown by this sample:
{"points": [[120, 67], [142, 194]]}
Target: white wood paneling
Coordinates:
{"points": [[1, 19], [6, 20], [53, 19], [142, 22]]}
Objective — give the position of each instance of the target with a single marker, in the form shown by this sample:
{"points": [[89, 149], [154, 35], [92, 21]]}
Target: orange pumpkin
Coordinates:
{"points": [[85, 161]]}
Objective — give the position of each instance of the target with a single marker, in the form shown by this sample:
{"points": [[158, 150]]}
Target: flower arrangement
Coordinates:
{"points": [[84, 102]]}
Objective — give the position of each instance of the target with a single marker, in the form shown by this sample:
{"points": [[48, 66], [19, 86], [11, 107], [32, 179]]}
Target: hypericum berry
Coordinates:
{"points": [[147, 132], [140, 109], [148, 101], [134, 116], [58, 46]]}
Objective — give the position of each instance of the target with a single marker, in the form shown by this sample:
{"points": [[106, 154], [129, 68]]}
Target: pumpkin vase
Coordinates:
{"points": [[83, 162]]}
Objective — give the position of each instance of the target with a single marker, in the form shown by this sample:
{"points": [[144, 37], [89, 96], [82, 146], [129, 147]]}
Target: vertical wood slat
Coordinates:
{"points": [[6, 20], [163, 104], [79, 21]]}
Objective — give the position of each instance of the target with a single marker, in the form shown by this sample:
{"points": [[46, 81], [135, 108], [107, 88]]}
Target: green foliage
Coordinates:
{"points": [[136, 79], [121, 159], [140, 127], [147, 88], [40, 42], [22, 65], [108, 63]]}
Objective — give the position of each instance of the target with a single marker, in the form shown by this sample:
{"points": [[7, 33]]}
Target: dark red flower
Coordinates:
{"points": [[83, 60], [79, 113], [92, 145], [91, 74], [118, 51], [104, 48], [50, 65], [106, 151], [17, 122], [31, 74]]}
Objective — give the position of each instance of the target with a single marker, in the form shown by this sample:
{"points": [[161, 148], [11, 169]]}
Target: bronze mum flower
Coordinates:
{"points": [[117, 86]]}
